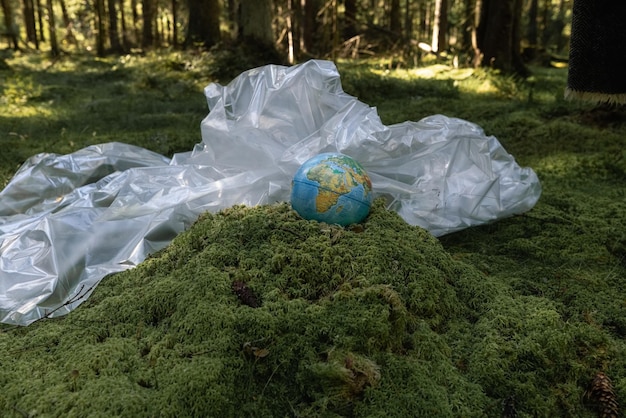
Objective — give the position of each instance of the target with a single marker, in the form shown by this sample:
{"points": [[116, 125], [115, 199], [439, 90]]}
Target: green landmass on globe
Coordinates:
{"points": [[338, 179], [332, 188]]}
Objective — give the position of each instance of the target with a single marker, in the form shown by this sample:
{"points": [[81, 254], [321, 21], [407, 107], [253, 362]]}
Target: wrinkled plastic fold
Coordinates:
{"points": [[67, 221]]}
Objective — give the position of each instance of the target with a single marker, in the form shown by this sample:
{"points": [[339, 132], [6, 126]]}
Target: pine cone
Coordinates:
{"points": [[245, 294], [603, 395]]}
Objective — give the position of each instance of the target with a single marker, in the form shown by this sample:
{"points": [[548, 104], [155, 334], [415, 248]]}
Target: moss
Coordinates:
{"points": [[352, 322]]}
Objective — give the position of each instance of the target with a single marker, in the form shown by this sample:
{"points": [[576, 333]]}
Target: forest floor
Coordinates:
{"points": [[522, 317]]}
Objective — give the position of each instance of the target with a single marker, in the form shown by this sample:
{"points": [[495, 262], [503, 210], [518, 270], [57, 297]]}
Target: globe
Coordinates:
{"points": [[332, 188]]}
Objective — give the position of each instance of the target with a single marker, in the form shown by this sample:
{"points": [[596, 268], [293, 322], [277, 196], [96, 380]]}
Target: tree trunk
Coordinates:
{"points": [[52, 32], [440, 26], [498, 40], [147, 33], [471, 12], [136, 24], [9, 23], [126, 44], [559, 25], [174, 23], [29, 22], [394, 18], [255, 23], [114, 35], [290, 31], [40, 12], [204, 23], [423, 27], [532, 33], [309, 26], [349, 14], [100, 28], [408, 20]]}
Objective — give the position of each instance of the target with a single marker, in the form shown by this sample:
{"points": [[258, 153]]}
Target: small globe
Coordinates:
{"points": [[332, 188]]}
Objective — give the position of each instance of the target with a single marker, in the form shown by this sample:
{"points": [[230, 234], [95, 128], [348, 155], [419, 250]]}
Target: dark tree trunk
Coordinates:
{"points": [[309, 26], [532, 32], [408, 20], [126, 44], [469, 29], [204, 23], [174, 23], [136, 24], [114, 35], [52, 31], [30, 23], [394, 18], [498, 39], [100, 28], [9, 23], [40, 13], [147, 33], [349, 25], [255, 24]]}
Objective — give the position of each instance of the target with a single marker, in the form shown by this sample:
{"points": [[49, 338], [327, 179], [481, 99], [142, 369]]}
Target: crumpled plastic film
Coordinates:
{"points": [[68, 221]]}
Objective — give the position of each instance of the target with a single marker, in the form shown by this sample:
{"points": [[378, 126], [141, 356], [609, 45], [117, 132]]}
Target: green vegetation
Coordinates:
{"points": [[383, 320]]}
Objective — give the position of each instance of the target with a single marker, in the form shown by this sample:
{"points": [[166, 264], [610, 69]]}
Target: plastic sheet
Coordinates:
{"points": [[68, 221]]}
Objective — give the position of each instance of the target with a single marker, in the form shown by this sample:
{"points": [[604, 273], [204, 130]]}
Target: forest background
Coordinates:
{"points": [[503, 34]]}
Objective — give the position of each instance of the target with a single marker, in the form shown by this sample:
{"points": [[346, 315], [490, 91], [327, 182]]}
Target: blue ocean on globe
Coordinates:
{"points": [[332, 188]]}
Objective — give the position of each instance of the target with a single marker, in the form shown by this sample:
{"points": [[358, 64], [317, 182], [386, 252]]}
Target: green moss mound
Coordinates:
{"points": [[256, 312]]}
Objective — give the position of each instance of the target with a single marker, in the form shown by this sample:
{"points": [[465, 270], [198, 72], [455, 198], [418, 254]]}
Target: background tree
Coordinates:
{"points": [[440, 26], [100, 27], [498, 35], [29, 22], [204, 22], [255, 23], [52, 31], [114, 37], [10, 27], [487, 32], [148, 14]]}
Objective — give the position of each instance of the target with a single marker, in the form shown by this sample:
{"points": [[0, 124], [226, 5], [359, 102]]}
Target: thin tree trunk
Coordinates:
{"points": [[310, 9], [100, 29], [9, 22], [443, 26], [532, 33], [394, 18], [52, 33], [125, 40], [136, 24], [29, 22], [349, 14], [114, 35], [174, 23], [559, 26], [476, 54], [290, 37], [149, 9], [440, 26], [408, 20], [40, 13]]}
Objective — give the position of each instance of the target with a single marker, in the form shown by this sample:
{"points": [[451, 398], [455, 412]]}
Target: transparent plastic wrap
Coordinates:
{"points": [[68, 221]]}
